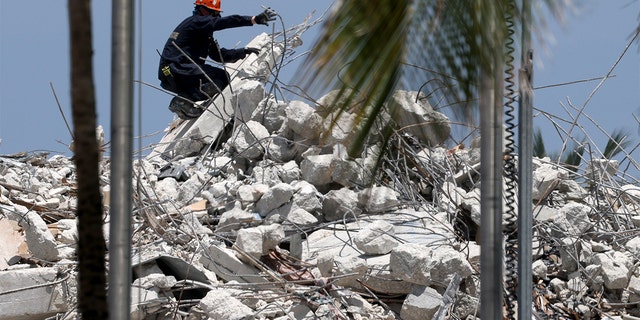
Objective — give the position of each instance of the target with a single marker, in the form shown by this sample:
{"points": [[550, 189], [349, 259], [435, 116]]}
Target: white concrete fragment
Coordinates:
{"points": [[220, 304], [376, 238], [248, 140], [41, 242], [614, 270], [378, 199], [260, 240], [234, 219], [143, 303], [573, 218], [68, 231], [251, 193], [289, 172], [539, 269], [412, 113], [340, 203], [36, 293], [317, 169], [275, 197], [424, 265], [306, 196], [227, 266], [422, 303], [303, 120]]}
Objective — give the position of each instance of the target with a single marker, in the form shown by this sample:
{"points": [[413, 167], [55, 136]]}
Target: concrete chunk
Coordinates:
{"points": [[220, 304], [376, 238], [260, 240], [422, 303], [36, 293]]}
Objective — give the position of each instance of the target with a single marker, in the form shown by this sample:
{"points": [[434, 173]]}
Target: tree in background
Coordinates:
{"points": [[92, 296]]}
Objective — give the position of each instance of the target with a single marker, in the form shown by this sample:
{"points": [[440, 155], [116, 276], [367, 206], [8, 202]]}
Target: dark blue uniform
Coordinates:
{"points": [[194, 36]]}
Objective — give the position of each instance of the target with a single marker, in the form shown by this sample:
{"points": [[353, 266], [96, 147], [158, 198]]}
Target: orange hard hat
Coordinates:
{"points": [[211, 4]]}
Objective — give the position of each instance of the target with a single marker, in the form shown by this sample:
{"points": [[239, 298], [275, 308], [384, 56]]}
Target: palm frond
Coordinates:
{"points": [[618, 141], [539, 149], [574, 157], [359, 53]]}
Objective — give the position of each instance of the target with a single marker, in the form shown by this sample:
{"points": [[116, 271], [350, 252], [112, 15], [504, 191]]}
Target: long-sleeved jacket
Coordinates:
{"points": [[194, 36]]}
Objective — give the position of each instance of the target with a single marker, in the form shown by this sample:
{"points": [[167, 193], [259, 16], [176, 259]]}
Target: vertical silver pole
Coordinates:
{"points": [[122, 44], [525, 175], [491, 169]]}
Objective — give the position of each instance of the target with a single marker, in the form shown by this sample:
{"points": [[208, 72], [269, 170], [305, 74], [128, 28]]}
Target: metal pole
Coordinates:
{"points": [[491, 168], [122, 44], [525, 175]]}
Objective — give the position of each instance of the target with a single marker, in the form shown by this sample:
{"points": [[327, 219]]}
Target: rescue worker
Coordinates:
{"points": [[182, 61]]}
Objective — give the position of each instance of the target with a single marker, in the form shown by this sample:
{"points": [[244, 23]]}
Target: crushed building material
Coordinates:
{"points": [[256, 211]]}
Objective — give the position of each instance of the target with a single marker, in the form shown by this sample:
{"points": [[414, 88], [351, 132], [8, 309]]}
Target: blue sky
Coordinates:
{"points": [[34, 53]]}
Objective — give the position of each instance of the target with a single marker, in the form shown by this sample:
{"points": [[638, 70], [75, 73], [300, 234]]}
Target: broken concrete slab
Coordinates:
{"points": [[34, 293]]}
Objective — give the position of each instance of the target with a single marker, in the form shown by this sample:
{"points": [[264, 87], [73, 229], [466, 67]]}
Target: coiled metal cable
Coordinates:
{"points": [[510, 171]]}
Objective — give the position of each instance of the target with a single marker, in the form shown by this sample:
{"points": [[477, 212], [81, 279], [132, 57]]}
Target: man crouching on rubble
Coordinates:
{"points": [[182, 68]]}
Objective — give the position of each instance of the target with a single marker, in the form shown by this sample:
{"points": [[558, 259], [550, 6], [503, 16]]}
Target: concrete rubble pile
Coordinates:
{"points": [[267, 216]]}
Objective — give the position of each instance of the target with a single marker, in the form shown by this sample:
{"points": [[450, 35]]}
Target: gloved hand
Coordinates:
{"points": [[248, 51], [267, 15]]}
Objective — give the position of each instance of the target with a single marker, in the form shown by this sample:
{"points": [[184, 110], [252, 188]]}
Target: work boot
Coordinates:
{"points": [[184, 109]]}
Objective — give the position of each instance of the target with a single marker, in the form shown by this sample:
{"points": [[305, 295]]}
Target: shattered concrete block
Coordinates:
{"points": [[545, 178], [350, 173], [248, 94], [40, 241], [68, 231], [353, 266], [36, 293], [270, 113], [299, 217], [299, 311], [376, 238], [220, 304], [307, 197], [340, 203], [248, 140], [572, 190], [614, 270], [422, 303], [144, 303], [557, 285], [280, 148], [226, 265], [573, 218], [378, 199], [428, 266], [267, 173], [409, 262], [599, 170], [569, 253], [303, 120], [234, 219], [275, 197], [317, 169], [155, 280], [251, 193], [412, 113], [259, 240], [289, 172], [445, 262]]}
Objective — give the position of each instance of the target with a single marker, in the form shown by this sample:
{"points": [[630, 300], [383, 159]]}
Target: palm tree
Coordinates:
{"points": [[92, 294], [370, 48]]}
